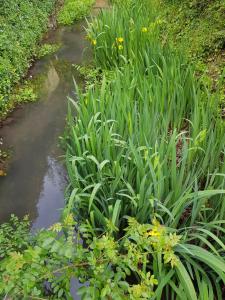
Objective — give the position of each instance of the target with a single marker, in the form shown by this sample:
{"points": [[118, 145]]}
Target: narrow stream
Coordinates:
{"points": [[36, 178]]}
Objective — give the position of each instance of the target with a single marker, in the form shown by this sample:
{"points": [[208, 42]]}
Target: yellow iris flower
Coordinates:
{"points": [[144, 29], [94, 42], [119, 40]]}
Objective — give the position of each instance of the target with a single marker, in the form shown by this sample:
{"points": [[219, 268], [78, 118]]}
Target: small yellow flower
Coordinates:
{"points": [[120, 47], [94, 42], [144, 29], [119, 40], [154, 233]]}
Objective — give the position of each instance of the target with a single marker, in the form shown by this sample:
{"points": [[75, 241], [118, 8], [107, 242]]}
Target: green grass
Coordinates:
{"points": [[74, 10], [149, 142], [197, 28], [154, 127]]}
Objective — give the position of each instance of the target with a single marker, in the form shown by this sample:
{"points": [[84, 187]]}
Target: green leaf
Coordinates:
{"points": [[48, 242], [95, 190], [186, 281], [215, 262]]}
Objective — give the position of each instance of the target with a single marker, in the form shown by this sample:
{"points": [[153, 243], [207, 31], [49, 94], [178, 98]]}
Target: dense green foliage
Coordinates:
{"points": [[53, 257], [150, 142], [43, 265], [22, 24], [13, 236], [197, 28], [47, 49], [74, 10]]}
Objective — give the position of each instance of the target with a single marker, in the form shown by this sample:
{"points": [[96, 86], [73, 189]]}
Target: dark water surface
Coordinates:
{"points": [[36, 179]]}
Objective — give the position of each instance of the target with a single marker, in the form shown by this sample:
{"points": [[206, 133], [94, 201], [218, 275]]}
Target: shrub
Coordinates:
{"points": [[150, 261], [73, 10], [22, 24]]}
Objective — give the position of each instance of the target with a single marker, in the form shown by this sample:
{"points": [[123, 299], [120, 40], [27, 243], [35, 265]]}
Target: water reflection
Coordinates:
{"points": [[52, 80], [36, 178], [52, 192]]}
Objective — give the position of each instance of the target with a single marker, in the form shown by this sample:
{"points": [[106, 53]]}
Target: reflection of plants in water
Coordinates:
{"points": [[37, 83], [64, 69], [62, 66]]}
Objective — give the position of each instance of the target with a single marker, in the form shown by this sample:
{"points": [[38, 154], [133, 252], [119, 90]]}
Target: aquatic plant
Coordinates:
{"points": [[149, 142], [47, 49]]}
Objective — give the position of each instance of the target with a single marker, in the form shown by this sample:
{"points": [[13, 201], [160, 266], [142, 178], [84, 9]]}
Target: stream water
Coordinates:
{"points": [[36, 179]]}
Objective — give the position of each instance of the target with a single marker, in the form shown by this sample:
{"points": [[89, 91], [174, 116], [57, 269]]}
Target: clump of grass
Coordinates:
{"points": [[25, 92], [74, 10], [151, 137], [47, 49]]}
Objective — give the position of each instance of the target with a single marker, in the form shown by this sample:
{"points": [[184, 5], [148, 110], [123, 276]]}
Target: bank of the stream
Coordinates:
{"points": [[22, 26]]}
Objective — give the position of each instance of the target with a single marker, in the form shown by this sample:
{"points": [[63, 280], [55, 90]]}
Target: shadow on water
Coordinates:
{"points": [[36, 179]]}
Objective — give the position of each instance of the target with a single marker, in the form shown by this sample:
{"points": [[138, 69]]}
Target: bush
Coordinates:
{"points": [[22, 24], [74, 10], [150, 261]]}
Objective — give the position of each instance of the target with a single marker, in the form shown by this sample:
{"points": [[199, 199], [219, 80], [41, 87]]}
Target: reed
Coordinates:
{"points": [[149, 143]]}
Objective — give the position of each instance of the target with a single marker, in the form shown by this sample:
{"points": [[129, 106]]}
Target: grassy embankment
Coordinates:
{"points": [[197, 28], [22, 24], [74, 10]]}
